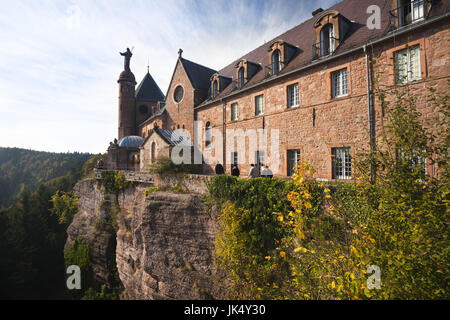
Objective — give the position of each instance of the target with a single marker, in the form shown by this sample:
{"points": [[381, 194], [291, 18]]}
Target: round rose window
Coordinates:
{"points": [[178, 94]]}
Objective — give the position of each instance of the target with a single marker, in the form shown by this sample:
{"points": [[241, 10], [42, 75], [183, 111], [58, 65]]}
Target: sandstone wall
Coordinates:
{"points": [[165, 242]]}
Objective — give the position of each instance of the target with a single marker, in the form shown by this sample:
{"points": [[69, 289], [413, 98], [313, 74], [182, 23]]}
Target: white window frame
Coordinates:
{"points": [[339, 83], [234, 112], [293, 95], [259, 109], [234, 157], [291, 167], [341, 163], [404, 64], [260, 157]]}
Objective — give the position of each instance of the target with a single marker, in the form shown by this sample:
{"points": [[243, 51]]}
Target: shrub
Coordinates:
{"points": [[164, 166]]}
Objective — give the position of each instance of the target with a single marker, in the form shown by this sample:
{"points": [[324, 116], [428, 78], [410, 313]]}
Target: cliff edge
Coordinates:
{"points": [[162, 244]]}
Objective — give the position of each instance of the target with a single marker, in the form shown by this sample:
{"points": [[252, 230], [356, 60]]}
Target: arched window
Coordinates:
{"points": [[215, 89], [207, 134], [241, 77], [326, 40], [178, 126], [276, 62], [183, 127], [153, 151]]}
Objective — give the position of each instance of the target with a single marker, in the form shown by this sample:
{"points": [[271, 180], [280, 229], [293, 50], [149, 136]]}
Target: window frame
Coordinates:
{"points": [[234, 106], [290, 166], [234, 157], [327, 37], [345, 172], [289, 95], [260, 155], [208, 135], [407, 76], [261, 98], [337, 83], [241, 77], [276, 62]]}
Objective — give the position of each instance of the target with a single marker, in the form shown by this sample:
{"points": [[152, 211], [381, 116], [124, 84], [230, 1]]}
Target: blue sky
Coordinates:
{"points": [[59, 60]]}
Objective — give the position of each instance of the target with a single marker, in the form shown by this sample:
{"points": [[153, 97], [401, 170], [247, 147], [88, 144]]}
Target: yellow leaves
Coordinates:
{"points": [[300, 249], [333, 285], [300, 234], [326, 190], [354, 252], [267, 258], [283, 254], [308, 205], [372, 240], [335, 261], [280, 218], [328, 196], [331, 208]]}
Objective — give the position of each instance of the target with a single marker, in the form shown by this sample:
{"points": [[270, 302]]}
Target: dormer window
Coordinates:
{"points": [[218, 84], [408, 11], [276, 62], [280, 53], [331, 29], [241, 77], [327, 40], [245, 70], [215, 89]]}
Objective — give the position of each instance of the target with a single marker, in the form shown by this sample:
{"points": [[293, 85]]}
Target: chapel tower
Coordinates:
{"points": [[127, 112]]}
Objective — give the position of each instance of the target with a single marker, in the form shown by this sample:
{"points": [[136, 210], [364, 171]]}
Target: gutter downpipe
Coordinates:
{"points": [[369, 116], [224, 150]]}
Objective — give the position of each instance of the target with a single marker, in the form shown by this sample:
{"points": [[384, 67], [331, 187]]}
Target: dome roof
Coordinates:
{"points": [[130, 142], [127, 75]]}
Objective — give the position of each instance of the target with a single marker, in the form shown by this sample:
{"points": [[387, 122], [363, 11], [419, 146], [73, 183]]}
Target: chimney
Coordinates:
{"points": [[317, 11]]}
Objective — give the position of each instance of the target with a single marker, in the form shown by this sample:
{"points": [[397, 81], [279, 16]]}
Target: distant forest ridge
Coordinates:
{"points": [[22, 168]]}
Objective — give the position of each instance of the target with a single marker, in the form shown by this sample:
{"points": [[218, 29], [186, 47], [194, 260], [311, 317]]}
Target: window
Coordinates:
{"points": [[153, 151], [292, 95], [407, 65], [276, 62], [414, 157], [259, 158], [327, 41], [215, 89], [341, 163], [178, 94], [234, 158], [293, 157], [339, 83], [241, 77], [234, 111], [410, 11], [155, 109], [207, 134], [259, 104]]}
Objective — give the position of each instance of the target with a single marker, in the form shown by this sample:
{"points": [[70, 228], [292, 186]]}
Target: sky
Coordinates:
{"points": [[59, 60]]}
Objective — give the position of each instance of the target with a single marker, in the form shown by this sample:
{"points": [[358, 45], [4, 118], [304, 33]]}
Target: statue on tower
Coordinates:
{"points": [[127, 54]]}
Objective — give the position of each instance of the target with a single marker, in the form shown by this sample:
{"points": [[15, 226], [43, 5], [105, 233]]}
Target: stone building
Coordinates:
{"points": [[311, 89]]}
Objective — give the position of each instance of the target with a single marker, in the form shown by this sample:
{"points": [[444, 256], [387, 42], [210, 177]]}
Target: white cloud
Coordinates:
{"points": [[60, 60]]}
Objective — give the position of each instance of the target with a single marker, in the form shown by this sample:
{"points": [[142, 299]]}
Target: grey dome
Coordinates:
{"points": [[130, 142]]}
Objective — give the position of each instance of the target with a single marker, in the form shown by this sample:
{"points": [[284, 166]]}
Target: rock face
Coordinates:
{"points": [[165, 242], [102, 243]]}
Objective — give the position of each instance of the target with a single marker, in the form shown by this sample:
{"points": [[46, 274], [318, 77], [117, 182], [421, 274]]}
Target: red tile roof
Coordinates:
{"points": [[303, 36]]}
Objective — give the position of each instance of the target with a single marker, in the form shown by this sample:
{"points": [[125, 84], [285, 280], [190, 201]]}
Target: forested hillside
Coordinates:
{"points": [[21, 168], [33, 228]]}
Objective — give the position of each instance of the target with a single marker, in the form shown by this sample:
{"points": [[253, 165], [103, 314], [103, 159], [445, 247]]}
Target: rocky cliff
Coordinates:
{"points": [[163, 243]]}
